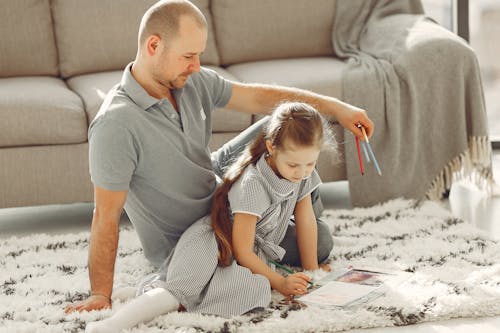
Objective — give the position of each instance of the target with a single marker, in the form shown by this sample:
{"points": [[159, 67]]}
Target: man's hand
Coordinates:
{"points": [[350, 116], [94, 302]]}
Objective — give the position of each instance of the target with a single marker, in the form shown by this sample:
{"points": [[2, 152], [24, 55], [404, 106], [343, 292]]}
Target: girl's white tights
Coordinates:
{"points": [[147, 306]]}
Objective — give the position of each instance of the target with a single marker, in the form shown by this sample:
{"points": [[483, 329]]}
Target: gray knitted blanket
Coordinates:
{"points": [[421, 85]]}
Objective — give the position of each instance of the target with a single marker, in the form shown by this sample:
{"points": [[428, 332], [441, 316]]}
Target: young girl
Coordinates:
{"points": [[221, 264]]}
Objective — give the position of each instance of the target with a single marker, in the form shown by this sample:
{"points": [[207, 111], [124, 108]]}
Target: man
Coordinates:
{"points": [[149, 143]]}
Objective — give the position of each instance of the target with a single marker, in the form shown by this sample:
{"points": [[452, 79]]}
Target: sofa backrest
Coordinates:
{"points": [[101, 35], [72, 37], [27, 39], [250, 30]]}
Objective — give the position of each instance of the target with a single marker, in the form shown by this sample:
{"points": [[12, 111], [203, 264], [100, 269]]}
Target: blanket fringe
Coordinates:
{"points": [[474, 164]]}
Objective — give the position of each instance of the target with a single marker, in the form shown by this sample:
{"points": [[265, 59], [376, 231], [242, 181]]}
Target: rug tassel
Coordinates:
{"points": [[474, 164]]}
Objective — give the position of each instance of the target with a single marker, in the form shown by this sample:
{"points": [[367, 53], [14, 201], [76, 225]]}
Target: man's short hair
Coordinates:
{"points": [[163, 18]]}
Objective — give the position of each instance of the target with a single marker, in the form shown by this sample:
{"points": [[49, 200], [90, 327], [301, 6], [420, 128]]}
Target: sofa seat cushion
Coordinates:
{"points": [[225, 120], [40, 111], [321, 75], [92, 88], [101, 35]]}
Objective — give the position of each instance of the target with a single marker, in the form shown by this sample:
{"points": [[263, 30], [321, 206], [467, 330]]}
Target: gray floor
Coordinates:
{"points": [[464, 201]]}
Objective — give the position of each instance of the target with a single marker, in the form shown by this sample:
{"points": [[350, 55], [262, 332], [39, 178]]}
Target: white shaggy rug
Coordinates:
{"points": [[456, 273]]}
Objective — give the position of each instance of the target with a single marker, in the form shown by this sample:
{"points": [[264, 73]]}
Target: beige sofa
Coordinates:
{"points": [[60, 57]]}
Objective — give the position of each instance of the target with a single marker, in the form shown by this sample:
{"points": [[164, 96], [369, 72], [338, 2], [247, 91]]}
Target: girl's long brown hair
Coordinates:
{"points": [[299, 124]]}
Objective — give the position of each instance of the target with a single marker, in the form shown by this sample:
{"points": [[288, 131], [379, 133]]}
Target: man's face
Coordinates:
{"points": [[180, 57]]}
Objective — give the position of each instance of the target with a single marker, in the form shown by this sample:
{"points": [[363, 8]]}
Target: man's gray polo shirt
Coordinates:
{"points": [[141, 144]]}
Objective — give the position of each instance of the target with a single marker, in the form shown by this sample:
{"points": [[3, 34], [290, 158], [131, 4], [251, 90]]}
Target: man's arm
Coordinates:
{"points": [[102, 249], [262, 99]]}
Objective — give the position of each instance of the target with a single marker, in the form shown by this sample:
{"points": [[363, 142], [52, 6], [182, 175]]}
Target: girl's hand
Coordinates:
{"points": [[95, 302], [294, 284]]}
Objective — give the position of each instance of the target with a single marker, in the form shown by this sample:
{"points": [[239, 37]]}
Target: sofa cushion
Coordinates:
{"points": [[92, 88], [262, 29], [101, 35], [331, 166], [321, 75], [28, 45], [40, 111]]}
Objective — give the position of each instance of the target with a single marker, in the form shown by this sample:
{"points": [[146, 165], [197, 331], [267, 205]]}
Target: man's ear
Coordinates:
{"points": [[153, 44]]}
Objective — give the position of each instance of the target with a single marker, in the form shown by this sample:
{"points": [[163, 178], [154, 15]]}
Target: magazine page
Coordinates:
{"points": [[352, 286], [337, 294]]}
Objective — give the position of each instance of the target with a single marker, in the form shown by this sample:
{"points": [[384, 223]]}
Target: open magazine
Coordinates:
{"points": [[353, 286]]}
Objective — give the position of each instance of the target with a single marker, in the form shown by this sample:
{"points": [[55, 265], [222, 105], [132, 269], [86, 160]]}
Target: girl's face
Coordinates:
{"points": [[293, 163]]}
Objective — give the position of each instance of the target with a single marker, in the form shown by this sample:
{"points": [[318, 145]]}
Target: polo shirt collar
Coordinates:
{"points": [[280, 186], [135, 91]]}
